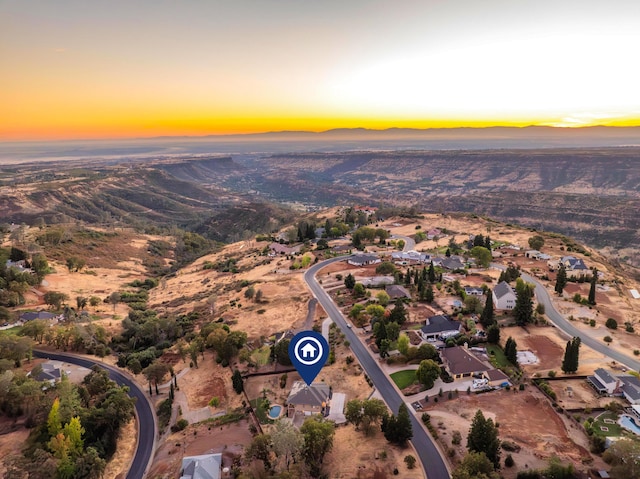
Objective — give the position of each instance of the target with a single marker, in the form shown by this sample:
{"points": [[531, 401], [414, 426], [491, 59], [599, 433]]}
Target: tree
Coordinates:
{"points": [[373, 410], [280, 352], [287, 442], [426, 294], [536, 242], [74, 431], [410, 461], [399, 312], [523, 309], [155, 373], [511, 351], [403, 343], [611, 323], [250, 292], [487, 318], [478, 240], [427, 373], [475, 465], [397, 429], [114, 298], [353, 412], [624, 457], [349, 282], [386, 267], [383, 298], [55, 299], [483, 438], [482, 255], [236, 380], [318, 441], [81, 302], [356, 315], [431, 274], [260, 449], [472, 304], [571, 356], [54, 425], [592, 288], [359, 290], [561, 280], [493, 334]]}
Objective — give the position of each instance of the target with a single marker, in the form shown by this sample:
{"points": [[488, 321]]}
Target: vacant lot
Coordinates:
{"points": [[525, 418]]}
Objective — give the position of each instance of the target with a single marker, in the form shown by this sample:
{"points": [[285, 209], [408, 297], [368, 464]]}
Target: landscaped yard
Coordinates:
{"points": [[261, 355], [404, 378], [497, 357], [261, 407], [610, 429]]}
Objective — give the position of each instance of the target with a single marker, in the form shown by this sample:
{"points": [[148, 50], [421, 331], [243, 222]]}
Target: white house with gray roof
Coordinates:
{"points": [[206, 466], [504, 296], [308, 400], [363, 259]]}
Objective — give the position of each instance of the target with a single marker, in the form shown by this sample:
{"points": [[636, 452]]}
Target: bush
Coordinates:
{"points": [[611, 323], [607, 339], [426, 418], [592, 323], [456, 438], [552, 374], [636, 352], [410, 461], [508, 461], [215, 402], [179, 425]]}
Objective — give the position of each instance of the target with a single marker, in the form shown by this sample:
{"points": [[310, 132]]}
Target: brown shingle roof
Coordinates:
{"points": [[461, 361]]}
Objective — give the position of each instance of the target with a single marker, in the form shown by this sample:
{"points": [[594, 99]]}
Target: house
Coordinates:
{"points": [[473, 291], [396, 291], [631, 389], [504, 297], [433, 233], [410, 257], [377, 281], [342, 248], [20, 265], [206, 466], [574, 267], [308, 400], [363, 259], [51, 372], [452, 263], [496, 378], [277, 248], [367, 210], [537, 255], [440, 326], [604, 382], [460, 363], [31, 315]]}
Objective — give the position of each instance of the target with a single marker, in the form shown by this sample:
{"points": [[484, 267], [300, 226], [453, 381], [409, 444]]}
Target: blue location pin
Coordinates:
{"points": [[308, 352]]}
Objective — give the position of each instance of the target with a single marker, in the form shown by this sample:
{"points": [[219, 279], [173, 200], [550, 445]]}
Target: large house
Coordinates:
{"points": [[308, 400], [206, 466], [607, 384], [46, 315], [473, 291], [440, 326], [363, 259], [396, 291], [573, 266], [460, 363], [411, 257], [504, 297], [277, 248]]}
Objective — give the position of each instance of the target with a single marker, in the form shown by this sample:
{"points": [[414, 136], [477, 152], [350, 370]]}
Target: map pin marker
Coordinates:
{"points": [[308, 352]]}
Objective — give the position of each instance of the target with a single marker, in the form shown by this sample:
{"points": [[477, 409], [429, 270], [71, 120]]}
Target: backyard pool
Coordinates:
{"points": [[630, 424], [275, 411]]}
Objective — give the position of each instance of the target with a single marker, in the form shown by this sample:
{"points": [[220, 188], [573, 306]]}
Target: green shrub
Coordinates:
{"points": [[611, 323]]}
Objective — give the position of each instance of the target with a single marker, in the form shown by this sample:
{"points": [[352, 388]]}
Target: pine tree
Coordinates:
{"points": [[592, 289], [487, 318], [561, 280], [350, 282], [483, 437], [432, 273], [428, 295], [523, 309], [398, 429], [511, 351], [493, 334], [236, 380], [487, 242]]}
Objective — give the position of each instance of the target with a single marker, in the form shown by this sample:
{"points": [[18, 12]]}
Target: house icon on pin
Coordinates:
{"points": [[308, 351]]}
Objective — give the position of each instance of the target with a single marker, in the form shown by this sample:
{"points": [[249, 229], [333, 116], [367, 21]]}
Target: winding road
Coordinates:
{"points": [[428, 453], [147, 429]]}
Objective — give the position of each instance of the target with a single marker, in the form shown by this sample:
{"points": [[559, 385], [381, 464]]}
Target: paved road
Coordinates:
{"points": [[543, 297], [433, 463], [146, 421], [565, 325], [409, 243]]}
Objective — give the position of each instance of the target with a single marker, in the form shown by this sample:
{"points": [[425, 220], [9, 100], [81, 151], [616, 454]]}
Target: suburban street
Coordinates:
{"points": [[428, 453], [147, 428], [556, 318]]}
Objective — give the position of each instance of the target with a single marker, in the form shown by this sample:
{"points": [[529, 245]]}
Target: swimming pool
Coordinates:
{"points": [[630, 424], [274, 411]]}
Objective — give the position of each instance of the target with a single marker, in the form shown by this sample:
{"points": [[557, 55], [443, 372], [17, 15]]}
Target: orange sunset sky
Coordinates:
{"points": [[119, 69]]}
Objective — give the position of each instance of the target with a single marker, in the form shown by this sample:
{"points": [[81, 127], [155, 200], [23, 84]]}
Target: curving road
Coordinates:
{"points": [[556, 318], [146, 420], [432, 462]]}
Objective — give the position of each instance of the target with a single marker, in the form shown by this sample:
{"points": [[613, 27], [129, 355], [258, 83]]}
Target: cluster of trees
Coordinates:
{"points": [[523, 310], [571, 354], [14, 283], [371, 413], [510, 274], [366, 234], [13, 349], [289, 451], [76, 427]]}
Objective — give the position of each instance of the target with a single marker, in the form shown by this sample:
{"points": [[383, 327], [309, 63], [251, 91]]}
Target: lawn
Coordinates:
{"points": [[614, 429], [497, 357], [261, 408], [262, 355], [404, 378]]}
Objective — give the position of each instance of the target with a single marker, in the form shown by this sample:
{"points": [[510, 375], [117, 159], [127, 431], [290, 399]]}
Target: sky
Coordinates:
{"points": [[127, 69]]}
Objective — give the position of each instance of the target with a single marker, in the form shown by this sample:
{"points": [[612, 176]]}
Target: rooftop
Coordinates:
{"points": [[314, 395], [461, 361]]}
